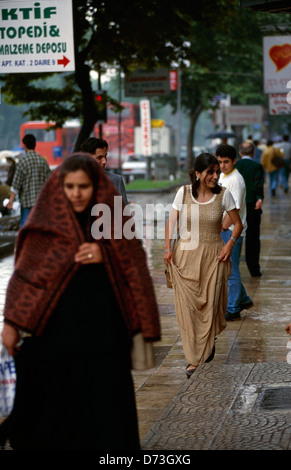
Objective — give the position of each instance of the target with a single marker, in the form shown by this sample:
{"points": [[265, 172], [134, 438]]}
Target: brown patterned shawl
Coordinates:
{"points": [[44, 263]]}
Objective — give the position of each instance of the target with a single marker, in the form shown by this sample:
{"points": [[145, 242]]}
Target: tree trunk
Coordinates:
{"points": [[90, 114], [190, 139], [82, 75]]}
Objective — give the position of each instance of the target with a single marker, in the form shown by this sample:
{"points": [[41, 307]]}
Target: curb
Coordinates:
{"points": [[7, 243], [168, 189], [6, 249]]}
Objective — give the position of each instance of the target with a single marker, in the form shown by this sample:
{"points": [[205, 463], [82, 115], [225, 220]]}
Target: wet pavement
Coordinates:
{"points": [[242, 399]]}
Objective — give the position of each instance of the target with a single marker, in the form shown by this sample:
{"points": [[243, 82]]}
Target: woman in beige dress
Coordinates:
{"points": [[199, 264]]}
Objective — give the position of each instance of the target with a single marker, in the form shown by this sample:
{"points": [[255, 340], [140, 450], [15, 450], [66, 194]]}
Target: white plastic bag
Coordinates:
{"points": [[7, 382]]}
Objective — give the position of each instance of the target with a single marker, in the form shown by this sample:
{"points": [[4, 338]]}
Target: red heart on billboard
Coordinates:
{"points": [[280, 55]]}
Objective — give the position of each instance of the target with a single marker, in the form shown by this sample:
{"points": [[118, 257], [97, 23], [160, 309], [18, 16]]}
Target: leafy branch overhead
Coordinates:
{"points": [[227, 59], [139, 34], [216, 44]]}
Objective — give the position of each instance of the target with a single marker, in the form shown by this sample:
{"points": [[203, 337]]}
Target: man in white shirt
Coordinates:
{"points": [[231, 178]]}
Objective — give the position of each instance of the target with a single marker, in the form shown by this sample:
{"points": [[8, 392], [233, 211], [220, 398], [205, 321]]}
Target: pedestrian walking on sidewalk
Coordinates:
{"points": [[98, 148], [253, 174], [32, 171], [231, 178], [272, 168], [199, 264], [285, 148], [82, 304]]}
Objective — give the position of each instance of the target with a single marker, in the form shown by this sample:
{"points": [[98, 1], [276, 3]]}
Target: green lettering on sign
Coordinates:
{"points": [[28, 13]]}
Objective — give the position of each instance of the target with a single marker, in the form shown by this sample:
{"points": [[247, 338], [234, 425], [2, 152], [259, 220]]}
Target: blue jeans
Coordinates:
{"points": [[24, 211], [273, 178], [284, 174], [237, 296]]}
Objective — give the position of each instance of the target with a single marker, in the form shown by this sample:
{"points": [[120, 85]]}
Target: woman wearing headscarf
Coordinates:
{"points": [[80, 304]]}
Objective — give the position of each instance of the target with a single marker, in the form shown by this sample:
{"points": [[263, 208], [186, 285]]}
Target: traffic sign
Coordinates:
{"points": [[36, 36]]}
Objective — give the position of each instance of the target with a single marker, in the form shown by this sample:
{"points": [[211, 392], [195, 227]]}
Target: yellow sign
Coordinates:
{"points": [[158, 123]]}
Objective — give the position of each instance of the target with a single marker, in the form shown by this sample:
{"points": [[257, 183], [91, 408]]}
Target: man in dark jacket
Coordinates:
{"points": [[253, 174], [98, 148]]}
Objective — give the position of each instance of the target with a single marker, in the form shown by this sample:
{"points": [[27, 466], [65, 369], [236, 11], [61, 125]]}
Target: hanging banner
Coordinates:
{"points": [[277, 63], [36, 36], [173, 80], [145, 115]]}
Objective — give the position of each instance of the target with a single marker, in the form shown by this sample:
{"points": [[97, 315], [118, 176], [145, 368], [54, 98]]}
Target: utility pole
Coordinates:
{"points": [[99, 88], [179, 93], [119, 123]]}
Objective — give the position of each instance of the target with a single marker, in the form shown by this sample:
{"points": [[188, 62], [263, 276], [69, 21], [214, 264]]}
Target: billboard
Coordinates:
{"points": [[244, 115], [142, 83], [36, 36], [277, 63]]}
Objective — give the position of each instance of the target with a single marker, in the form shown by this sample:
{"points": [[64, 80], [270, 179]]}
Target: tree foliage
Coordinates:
{"points": [[216, 44], [228, 59], [143, 33]]}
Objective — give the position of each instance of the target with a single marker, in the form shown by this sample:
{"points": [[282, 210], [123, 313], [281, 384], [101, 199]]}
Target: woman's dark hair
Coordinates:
{"points": [[203, 162], [81, 161]]}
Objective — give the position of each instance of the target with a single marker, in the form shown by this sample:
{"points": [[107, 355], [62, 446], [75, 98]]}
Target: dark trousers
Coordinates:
{"points": [[252, 240]]}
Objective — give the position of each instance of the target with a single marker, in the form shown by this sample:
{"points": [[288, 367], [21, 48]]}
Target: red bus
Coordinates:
{"points": [[52, 144], [57, 144], [130, 118]]}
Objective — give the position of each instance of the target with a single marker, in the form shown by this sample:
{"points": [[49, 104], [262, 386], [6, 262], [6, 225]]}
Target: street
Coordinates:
{"points": [[251, 353]]}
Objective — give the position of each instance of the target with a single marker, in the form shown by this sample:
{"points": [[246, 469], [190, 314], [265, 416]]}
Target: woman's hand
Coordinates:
{"points": [[89, 253], [168, 257], [10, 339], [226, 251]]}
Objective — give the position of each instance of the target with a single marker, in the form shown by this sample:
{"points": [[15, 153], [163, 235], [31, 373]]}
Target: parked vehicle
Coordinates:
{"points": [[196, 151], [57, 144], [136, 167]]}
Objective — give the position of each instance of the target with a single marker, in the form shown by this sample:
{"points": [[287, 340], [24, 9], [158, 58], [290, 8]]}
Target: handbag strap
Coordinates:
{"points": [[178, 219]]}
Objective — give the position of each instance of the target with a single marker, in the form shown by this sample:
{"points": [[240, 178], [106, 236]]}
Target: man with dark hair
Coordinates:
{"points": [[31, 173], [98, 148], [231, 179], [253, 174]]}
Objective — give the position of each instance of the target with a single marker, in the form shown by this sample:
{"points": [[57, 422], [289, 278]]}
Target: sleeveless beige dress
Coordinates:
{"points": [[199, 280]]}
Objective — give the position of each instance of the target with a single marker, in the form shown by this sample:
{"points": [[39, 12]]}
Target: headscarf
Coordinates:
{"points": [[44, 262]]}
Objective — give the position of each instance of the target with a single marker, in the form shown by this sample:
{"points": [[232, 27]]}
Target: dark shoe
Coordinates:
{"points": [[189, 372], [273, 192], [246, 305], [232, 316], [258, 274], [209, 359]]}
